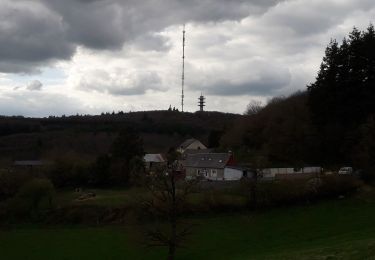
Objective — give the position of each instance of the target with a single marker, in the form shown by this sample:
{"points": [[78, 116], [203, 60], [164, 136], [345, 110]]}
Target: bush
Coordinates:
{"points": [[88, 215], [338, 185], [82, 214], [34, 196], [101, 171], [285, 192], [10, 182], [367, 174], [64, 173]]}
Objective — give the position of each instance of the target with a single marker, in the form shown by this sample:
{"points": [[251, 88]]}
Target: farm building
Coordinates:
{"points": [[190, 144], [283, 173], [212, 166], [153, 160], [232, 173], [32, 166]]}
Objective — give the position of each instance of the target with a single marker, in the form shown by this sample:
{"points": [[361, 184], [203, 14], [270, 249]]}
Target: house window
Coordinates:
{"points": [[214, 173], [202, 172]]}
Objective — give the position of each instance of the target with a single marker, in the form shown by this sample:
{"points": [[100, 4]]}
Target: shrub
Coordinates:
{"points": [[65, 173], [284, 192], [101, 171], [34, 196], [338, 185], [367, 174], [79, 214], [10, 182]]}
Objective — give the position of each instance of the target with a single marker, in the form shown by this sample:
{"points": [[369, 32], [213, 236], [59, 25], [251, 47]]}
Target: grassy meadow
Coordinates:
{"points": [[335, 229]]}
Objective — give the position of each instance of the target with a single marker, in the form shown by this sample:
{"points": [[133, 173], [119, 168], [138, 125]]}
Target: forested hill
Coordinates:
{"points": [[88, 136]]}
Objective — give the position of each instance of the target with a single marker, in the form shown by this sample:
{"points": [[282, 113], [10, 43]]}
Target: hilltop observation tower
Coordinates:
{"points": [[201, 102]]}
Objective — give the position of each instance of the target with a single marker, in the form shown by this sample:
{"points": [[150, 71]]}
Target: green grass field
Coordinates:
{"points": [[337, 229]]}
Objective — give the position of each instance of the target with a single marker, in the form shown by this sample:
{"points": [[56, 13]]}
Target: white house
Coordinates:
{"points": [[191, 144], [213, 166]]}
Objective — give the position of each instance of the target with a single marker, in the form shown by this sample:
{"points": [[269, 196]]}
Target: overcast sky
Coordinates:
{"points": [[91, 56]]}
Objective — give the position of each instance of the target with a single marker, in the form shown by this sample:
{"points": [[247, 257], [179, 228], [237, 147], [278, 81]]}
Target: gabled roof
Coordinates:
{"points": [[188, 142], [154, 157], [207, 160]]}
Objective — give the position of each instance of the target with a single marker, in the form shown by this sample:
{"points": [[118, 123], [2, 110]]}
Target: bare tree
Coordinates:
{"points": [[168, 200], [254, 107]]}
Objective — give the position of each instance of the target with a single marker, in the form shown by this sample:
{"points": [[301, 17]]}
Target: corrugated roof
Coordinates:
{"points": [[154, 157], [207, 160]]}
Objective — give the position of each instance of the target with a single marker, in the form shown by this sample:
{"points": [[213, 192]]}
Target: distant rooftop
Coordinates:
{"points": [[207, 160], [30, 163], [187, 143], [154, 157]]}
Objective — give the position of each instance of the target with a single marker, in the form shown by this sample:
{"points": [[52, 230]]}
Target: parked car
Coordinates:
{"points": [[346, 171]]}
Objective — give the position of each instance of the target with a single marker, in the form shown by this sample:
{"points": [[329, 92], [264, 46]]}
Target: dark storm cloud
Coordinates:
{"points": [[108, 23], [35, 33], [30, 35], [152, 42], [94, 24]]}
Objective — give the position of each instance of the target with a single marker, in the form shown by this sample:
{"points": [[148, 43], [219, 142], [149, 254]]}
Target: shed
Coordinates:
{"points": [[153, 159], [233, 173]]}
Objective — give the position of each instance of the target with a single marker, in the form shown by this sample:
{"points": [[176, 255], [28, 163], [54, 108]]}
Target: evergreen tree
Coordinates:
{"points": [[343, 94], [126, 146], [344, 90]]}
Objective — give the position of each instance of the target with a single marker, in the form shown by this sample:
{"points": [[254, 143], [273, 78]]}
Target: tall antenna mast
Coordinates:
{"points": [[183, 69]]}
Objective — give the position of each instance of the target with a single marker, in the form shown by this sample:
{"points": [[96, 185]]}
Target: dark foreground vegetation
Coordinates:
{"points": [[93, 175], [336, 229]]}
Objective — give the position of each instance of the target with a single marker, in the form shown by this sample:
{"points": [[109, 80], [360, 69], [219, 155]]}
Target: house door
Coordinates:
{"points": [[214, 174]]}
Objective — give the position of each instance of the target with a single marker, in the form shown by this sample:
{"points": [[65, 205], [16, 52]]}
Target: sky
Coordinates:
{"points": [[91, 56]]}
